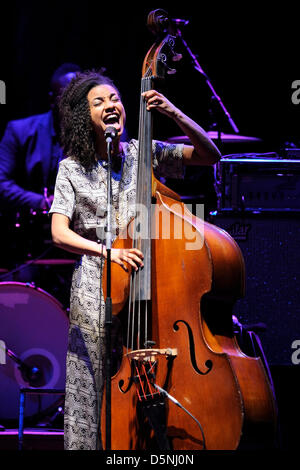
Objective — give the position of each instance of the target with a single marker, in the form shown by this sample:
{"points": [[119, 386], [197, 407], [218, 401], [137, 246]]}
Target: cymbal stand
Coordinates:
{"points": [[215, 98]]}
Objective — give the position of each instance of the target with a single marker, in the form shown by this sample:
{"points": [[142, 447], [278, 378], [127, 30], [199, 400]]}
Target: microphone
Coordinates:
{"points": [[163, 21], [158, 21], [179, 21], [164, 392], [110, 133]]}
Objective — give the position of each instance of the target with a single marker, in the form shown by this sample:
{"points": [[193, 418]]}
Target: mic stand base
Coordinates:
{"points": [[108, 325], [108, 304]]}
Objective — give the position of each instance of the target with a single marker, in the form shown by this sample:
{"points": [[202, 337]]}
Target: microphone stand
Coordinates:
{"points": [[214, 96], [108, 302]]}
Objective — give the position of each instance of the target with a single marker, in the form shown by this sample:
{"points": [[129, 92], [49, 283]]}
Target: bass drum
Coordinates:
{"points": [[34, 329]]}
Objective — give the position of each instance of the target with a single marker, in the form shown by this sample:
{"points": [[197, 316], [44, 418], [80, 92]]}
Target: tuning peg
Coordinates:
{"points": [[177, 57], [171, 71]]}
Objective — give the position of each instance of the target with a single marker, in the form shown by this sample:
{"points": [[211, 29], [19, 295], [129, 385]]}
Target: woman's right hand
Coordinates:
{"points": [[132, 256]]}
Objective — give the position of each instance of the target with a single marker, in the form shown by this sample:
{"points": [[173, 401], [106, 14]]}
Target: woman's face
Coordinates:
{"points": [[106, 109]]}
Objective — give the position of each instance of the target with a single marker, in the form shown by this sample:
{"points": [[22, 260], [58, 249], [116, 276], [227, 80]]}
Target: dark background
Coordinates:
{"points": [[250, 51]]}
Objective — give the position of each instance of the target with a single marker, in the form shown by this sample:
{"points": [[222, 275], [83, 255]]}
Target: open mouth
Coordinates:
{"points": [[111, 119]]}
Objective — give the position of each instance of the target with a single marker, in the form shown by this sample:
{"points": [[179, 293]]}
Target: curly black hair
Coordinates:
{"points": [[77, 135]]}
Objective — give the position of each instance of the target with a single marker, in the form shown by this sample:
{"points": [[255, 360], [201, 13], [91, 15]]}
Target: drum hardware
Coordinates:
{"points": [[52, 262], [8, 273], [218, 109], [214, 135], [52, 274], [30, 391], [28, 236], [34, 324], [30, 374], [34, 327]]}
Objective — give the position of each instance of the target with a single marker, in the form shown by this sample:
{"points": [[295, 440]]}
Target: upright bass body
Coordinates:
{"points": [[197, 275], [181, 381]]}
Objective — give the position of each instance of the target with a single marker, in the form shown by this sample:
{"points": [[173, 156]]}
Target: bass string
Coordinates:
{"points": [[135, 308]]}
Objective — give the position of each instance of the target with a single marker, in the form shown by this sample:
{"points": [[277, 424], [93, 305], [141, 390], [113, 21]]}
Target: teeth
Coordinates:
{"points": [[112, 117]]}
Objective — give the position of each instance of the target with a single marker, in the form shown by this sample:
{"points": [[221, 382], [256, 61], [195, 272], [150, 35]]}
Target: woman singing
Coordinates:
{"points": [[90, 104]]}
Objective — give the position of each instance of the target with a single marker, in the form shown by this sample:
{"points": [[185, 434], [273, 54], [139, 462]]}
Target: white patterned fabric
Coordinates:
{"points": [[81, 195]]}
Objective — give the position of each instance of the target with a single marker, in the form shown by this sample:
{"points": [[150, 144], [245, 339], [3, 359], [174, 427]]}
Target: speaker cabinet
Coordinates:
{"points": [[270, 243]]}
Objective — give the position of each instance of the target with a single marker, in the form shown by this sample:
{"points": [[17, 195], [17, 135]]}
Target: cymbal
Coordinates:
{"points": [[53, 262], [214, 135]]}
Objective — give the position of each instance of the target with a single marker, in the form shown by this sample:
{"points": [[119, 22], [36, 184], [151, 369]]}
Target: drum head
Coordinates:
{"points": [[34, 327]]}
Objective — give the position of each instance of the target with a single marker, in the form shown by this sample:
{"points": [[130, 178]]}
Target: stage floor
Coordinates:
{"points": [[33, 439]]}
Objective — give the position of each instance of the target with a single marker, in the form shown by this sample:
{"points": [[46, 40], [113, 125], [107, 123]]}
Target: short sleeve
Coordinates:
{"points": [[168, 160], [64, 194]]}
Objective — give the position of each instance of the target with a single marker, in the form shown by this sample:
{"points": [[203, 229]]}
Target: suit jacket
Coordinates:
{"points": [[27, 152]]}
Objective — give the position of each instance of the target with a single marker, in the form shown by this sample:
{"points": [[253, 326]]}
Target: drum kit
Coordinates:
{"points": [[34, 301]]}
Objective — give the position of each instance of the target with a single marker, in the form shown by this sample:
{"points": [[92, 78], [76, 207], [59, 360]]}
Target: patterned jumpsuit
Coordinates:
{"points": [[81, 195]]}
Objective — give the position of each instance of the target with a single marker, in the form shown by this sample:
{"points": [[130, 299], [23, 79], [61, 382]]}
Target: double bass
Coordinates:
{"points": [[181, 382]]}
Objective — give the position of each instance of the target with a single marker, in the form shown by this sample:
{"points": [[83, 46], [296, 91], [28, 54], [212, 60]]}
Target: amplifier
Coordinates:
{"points": [[259, 183], [270, 245], [292, 152]]}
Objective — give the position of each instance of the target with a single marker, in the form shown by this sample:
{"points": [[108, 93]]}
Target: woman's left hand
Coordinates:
{"points": [[156, 100]]}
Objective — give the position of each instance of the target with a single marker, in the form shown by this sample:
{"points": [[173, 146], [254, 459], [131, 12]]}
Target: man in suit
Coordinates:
{"points": [[30, 153], [29, 156]]}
